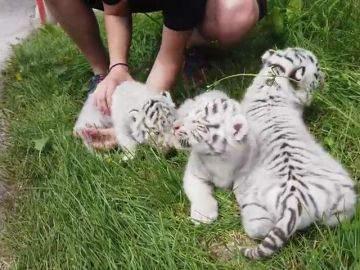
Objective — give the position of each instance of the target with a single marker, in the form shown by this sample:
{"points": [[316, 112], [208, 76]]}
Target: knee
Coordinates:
{"points": [[235, 20], [257, 229]]}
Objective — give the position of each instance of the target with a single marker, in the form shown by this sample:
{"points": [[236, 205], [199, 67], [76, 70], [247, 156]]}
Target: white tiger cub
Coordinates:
{"points": [[213, 127], [295, 182], [139, 115]]}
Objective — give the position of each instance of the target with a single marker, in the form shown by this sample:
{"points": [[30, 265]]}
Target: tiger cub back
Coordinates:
{"points": [[295, 183]]}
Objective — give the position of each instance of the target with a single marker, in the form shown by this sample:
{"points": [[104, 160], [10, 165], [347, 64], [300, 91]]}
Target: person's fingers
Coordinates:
{"points": [[109, 132], [96, 94], [100, 97], [96, 145], [100, 133], [104, 132], [109, 93], [107, 107], [80, 134], [103, 139], [107, 145], [86, 135], [102, 101], [93, 133], [111, 144]]}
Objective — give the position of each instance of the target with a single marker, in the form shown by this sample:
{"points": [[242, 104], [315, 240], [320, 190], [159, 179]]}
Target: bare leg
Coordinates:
{"points": [[169, 59], [79, 22], [226, 21]]}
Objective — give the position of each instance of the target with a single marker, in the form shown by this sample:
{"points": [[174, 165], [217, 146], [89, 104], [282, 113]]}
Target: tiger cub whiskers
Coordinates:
{"points": [[213, 127], [295, 182]]}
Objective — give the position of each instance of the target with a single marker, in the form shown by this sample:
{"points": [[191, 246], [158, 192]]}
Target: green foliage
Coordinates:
{"points": [[83, 211], [39, 144], [293, 10]]}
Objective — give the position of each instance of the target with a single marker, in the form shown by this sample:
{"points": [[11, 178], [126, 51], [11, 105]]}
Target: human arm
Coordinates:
{"points": [[118, 29], [169, 59]]}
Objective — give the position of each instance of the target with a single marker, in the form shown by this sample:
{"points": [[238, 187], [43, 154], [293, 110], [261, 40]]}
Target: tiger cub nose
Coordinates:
{"points": [[176, 125]]}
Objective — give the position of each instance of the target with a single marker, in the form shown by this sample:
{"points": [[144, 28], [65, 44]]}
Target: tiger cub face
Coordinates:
{"points": [[211, 127], [153, 122], [300, 66]]}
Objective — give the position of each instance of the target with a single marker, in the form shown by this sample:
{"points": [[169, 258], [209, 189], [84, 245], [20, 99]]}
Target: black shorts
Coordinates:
{"points": [[262, 8], [179, 15]]}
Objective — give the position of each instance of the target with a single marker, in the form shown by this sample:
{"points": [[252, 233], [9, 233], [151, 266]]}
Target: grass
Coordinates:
{"points": [[80, 211]]}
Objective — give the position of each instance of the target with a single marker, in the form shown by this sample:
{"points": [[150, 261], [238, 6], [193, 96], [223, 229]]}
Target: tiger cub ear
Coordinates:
{"points": [[167, 95], [237, 127], [133, 115], [267, 55], [298, 73]]}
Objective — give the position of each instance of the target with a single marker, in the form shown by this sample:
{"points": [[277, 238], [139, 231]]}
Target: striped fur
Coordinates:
{"points": [[295, 182], [139, 115], [214, 128]]}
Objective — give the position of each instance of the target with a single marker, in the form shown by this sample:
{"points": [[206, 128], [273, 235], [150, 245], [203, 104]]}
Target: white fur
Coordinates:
{"points": [[131, 104], [90, 116], [273, 162], [296, 182], [210, 164]]}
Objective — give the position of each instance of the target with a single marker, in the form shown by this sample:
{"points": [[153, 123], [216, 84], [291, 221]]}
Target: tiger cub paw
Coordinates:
{"points": [[206, 212]]}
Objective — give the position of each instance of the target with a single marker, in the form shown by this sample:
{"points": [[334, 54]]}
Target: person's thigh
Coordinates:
{"points": [[229, 20]]}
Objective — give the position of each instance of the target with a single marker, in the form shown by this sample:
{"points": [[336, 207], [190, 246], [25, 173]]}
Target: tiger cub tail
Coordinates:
{"points": [[279, 235]]}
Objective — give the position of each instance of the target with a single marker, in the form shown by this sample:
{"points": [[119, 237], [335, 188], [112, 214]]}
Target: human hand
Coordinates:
{"points": [[100, 138], [105, 89]]}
